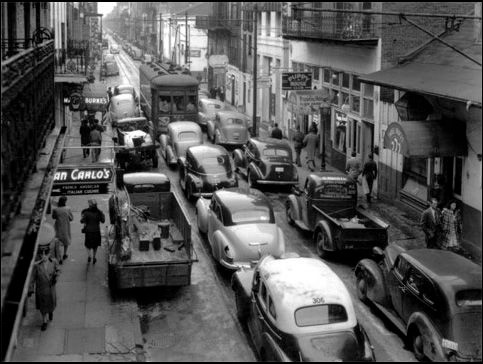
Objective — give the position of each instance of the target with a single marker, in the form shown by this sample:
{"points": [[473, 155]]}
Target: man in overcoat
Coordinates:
{"points": [[430, 223]]}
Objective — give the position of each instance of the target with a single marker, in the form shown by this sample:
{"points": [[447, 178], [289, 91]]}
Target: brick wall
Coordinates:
{"points": [[400, 37]]}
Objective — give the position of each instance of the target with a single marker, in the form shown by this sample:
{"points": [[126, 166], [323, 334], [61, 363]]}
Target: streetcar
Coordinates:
{"points": [[167, 94]]}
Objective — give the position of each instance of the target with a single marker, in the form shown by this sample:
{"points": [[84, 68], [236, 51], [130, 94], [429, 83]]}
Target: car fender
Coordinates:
{"points": [[163, 141], [432, 340], [239, 158], [324, 225], [182, 172], [202, 206], [253, 168], [170, 157], [376, 288], [273, 352], [210, 129], [219, 243], [294, 205]]}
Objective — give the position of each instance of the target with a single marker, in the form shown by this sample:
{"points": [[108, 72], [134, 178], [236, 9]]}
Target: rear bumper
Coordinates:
{"points": [[268, 182]]}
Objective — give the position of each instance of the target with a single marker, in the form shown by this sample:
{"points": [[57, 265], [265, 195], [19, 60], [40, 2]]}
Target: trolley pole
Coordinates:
{"points": [[255, 32]]}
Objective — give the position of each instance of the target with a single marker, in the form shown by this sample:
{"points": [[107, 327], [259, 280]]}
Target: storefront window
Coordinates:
{"points": [[355, 104], [334, 97], [356, 84], [368, 108], [415, 171], [335, 78], [345, 79], [340, 131], [327, 75]]}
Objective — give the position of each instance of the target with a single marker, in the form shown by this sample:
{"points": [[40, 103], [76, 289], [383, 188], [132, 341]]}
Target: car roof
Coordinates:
{"points": [[241, 199], [319, 178], [178, 126], [212, 101], [205, 150], [145, 178], [261, 142], [124, 86], [450, 271], [295, 282], [224, 114]]}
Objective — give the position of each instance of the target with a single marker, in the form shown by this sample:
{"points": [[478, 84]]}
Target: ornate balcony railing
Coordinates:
{"points": [[213, 23], [341, 27]]}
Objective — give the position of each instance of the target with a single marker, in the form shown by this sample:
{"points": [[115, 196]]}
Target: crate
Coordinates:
{"points": [[143, 245], [157, 243]]}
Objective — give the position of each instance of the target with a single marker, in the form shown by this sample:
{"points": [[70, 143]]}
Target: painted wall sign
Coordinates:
{"points": [[83, 175], [395, 139], [296, 80]]}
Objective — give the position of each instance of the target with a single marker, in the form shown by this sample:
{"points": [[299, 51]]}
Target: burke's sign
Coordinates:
{"points": [[296, 81]]}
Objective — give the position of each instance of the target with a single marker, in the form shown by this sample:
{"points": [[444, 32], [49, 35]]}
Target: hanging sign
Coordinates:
{"points": [[296, 80], [83, 174]]}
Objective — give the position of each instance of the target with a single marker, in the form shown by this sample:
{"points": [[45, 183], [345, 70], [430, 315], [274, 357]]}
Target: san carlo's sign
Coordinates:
{"points": [[296, 81], [82, 180]]}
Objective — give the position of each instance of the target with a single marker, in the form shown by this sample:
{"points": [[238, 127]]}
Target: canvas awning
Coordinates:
{"points": [[457, 83], [95, 97], [434, 138], [306, 101]]}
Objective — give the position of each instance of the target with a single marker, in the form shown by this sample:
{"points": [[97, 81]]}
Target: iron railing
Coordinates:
{"points": [[73, 61], [332, 27]]}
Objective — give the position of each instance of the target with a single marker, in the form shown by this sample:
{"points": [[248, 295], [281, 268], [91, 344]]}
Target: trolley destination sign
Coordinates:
{"points": [[82, 180]]}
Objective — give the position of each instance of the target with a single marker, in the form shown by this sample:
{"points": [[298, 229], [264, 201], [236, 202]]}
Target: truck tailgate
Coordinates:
{"points": [[362, 238]]}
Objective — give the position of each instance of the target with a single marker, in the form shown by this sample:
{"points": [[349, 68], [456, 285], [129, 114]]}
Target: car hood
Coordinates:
{"points": [[131, 135], [337, 346], [181, 146], [241, 236]]}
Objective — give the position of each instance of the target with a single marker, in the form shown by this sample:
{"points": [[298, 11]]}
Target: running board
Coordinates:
{"points": [[391, 316]]}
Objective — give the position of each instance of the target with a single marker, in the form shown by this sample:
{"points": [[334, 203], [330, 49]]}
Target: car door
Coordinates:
{"points": [[396, 285], [303, 201], [215, 221], [257, 325]]}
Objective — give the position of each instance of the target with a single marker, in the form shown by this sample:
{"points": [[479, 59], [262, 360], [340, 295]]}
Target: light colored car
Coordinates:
{"points": [[110, 69], [240, 226], [229, 128], [114, 49], [109, 58], [126, 89], [298, 309], [148, 58], [180, 136], [207, 109], [120, 107]]}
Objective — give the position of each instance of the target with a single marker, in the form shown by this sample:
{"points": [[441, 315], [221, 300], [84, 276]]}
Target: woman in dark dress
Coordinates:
{"points": [[92, 217]]}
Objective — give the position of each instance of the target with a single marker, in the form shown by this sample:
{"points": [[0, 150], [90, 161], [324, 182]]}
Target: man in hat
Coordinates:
{"points": [[44, 278]]}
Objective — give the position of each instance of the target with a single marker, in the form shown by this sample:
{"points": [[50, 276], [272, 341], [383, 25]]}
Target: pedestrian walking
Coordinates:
{"points": [[276, 132], [63, 216], [311, 143], [95, 140], [109, 93], [451, 226], [353, 167], [85, 133], [92, 217], [222, 93], [298, 140], [44, 279], [213, 93], [430, 223], [369, 174]]}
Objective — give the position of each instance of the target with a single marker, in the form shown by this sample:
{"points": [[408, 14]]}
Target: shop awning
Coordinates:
{"points": [[70, 79], [306, 101], [95, 97], [457, 83], [434, 138]]}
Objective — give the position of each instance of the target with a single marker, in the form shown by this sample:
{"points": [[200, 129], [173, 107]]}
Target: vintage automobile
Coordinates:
{"points": [[114, 48], [266, 161], [120, 107], [181, 135], [328, 207], [207, 109], [298, 309], [240, 227], [109, 58], [203, 94], [205, 169], [110, 69], [148, 58], [135, 142], [126, 89], [136, 53], [432, 296], [228, 128]]}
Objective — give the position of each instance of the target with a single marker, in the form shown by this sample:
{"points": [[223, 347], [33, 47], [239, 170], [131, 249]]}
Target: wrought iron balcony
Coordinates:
{"points": [[341, 27], [215, 23], [74, 60]]}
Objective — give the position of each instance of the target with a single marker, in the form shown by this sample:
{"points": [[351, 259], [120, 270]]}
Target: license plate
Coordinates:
{"points": [[278, 169]]}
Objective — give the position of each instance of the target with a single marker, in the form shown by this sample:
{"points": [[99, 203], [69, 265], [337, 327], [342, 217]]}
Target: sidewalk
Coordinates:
{"points": [[88, 324]]}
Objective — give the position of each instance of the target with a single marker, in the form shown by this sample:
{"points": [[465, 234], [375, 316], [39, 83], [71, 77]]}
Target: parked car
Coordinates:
{"points": [[110, 69], [122, 106], [240, 227], [228, 128], [266, 161], [432, 296], [328, 207], [114, 48], [148, 58], [207, 109], [298, 309], [206, 169], [125, 89], [109, 58], [136, 53], [180, 136]]}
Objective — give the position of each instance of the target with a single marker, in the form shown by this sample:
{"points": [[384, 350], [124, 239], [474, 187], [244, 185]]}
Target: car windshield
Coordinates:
{"points": [[320, 315], [276, 152], [336, 190], [218, 164], [252, 216], [187, 135]]}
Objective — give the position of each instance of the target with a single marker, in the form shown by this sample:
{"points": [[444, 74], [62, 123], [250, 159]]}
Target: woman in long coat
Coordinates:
{"points": [[451, 226], [63, 216], [44, 278], [92, 217]]}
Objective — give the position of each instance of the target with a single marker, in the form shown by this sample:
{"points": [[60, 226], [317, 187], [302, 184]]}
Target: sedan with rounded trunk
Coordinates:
{"points": [[228, 128], [207, 109], [181, 135]]}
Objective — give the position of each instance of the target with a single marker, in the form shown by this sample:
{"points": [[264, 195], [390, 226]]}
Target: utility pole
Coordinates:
{"points": [[186, 39], [169, 54], [160, 39], [255, 31]]}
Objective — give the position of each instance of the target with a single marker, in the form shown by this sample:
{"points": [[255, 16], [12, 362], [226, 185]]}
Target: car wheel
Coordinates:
{"points": [[362, 287], [251, 181], [321, 240], [417, 345], [240, 311], [288, 214]]}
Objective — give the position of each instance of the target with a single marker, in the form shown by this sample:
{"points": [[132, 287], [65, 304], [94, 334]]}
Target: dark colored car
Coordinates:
{"points": [[207, 109], [432, 296], [228, 128], [298, 309], [205, 169], [266, 161]]}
